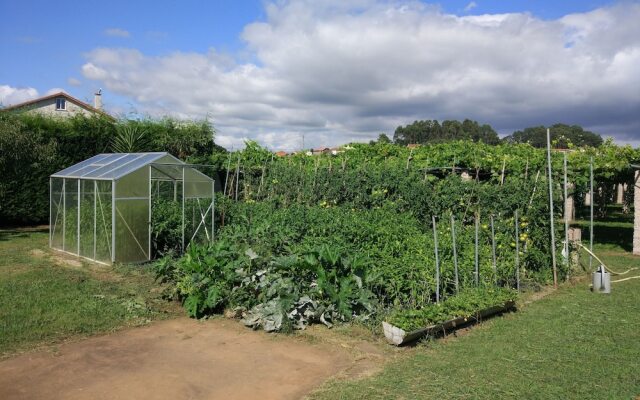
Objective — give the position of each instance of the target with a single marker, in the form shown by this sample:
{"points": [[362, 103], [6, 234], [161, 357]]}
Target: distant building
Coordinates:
{"points": [[60, 105]]}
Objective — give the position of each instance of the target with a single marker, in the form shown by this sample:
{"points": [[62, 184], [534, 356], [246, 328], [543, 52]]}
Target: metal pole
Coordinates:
{"points": [[213, 209], [455, 251], [150, 216], [78, 223], [95, 218], [226, 180], [591, 210], [493, 251], [566, 217], [435, 245], [517, 252], [64, 213], [477, 267], [113, 221], [50, 210], [553, 233], [237, 177], [183, 209]]}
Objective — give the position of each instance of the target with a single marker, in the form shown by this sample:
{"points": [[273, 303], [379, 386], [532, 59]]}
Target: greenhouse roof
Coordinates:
{"points": [[111, 166]]}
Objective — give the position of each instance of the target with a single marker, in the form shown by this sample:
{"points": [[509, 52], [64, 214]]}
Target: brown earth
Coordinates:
{"points": [[185, 359]]}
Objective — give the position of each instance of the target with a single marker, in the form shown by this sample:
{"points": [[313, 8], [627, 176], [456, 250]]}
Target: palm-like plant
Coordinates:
{"points": [[130, 138]]}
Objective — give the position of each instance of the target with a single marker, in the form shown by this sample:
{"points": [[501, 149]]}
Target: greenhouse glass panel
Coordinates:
{"points": [[57, 212], [196, 184], [134, 185], [132, 230], [70, 225], [100, 207], [87, 218], [103, 221]]}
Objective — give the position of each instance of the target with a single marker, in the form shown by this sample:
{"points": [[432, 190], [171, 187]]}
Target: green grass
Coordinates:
{"points": [[43, 300], [572, 344]]}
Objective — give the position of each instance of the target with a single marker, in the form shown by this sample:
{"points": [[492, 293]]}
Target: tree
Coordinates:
{"points": [[562, 136], [382, 138], [431, 131]]}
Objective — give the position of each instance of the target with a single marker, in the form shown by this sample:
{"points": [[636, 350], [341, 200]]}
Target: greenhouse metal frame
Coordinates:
{"points": [[101, 208]]}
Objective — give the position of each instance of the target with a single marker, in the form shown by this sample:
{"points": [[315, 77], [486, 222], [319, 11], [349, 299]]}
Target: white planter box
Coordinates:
{"points": [[397, 336]]}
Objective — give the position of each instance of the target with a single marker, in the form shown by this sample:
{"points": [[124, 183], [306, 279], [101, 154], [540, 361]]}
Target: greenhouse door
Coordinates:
{"points": [[182, 208]]}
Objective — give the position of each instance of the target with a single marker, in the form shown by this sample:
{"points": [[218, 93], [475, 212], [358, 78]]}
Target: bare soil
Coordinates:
{"points": [[185, 359]]}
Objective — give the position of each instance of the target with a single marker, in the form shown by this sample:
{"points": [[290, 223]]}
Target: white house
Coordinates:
{"points": [[60, 105]]}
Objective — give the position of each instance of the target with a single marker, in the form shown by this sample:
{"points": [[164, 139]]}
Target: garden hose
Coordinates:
{"points": [[610, 270]]}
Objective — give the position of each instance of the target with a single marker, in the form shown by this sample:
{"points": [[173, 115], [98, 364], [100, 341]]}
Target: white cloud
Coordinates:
{"points": [[117, 32], [54, 90], [343, 71], [74, 81], [470, 6], [11, 95]]}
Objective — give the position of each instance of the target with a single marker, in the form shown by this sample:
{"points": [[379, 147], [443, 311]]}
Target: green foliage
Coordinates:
{"points": [[32, 147], [430, 131], [466, 304], [374, 203], [166, 229], [130, 139], [275, 291], [563, 136]]}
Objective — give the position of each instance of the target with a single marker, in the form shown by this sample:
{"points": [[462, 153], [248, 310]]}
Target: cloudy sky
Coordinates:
{"points": [[333, 71]]}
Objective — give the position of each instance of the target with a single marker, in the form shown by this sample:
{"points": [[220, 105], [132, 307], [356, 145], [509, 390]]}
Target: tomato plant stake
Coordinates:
{"points": [[226, 180], [566, 217], [237, 176], [591, 198], [515, 217], [435, 246], [535, 185], [455, 251], [477, 270], [551, 221], [493, 251]]}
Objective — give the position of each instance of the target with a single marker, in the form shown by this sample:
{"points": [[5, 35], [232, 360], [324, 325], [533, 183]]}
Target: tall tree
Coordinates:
{"points": [[562, 135], [431, 131]]}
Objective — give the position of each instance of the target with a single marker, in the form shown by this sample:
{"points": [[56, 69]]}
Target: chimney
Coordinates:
{"points": [[97, 99]]}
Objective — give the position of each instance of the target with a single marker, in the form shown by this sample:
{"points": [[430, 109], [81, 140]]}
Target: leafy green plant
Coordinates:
{"points": [[466, 304]]}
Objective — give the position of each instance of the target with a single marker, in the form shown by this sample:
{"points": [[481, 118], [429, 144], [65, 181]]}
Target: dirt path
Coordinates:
{"points": [[175, 359]]}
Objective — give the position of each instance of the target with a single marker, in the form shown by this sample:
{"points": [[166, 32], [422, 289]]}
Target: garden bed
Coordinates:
{"points": [[399, 336]]}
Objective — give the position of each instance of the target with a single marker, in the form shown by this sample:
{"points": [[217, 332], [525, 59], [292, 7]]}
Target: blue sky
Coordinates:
{"points": [[77, 46]]}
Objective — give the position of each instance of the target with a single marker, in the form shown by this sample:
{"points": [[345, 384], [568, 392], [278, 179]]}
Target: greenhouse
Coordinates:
{"points": [[102, 207]]}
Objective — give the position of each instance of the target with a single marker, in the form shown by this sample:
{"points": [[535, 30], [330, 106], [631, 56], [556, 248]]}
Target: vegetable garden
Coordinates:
{"points": [[383, 232]]}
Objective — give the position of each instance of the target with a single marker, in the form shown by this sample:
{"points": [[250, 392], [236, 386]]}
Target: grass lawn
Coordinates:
{"points": [[46, 297], [571, 344]]}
